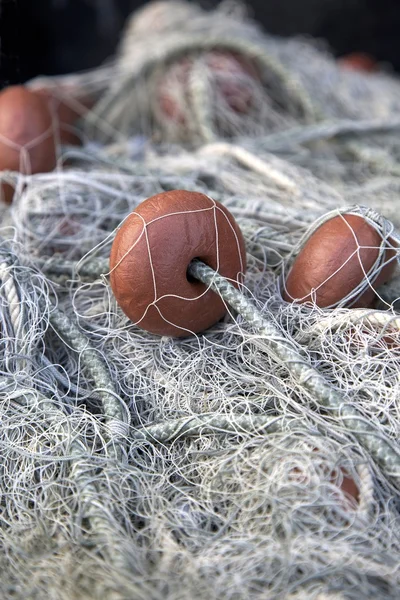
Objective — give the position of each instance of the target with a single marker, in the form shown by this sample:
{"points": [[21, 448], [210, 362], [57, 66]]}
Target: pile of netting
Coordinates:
{"points": [[258, 459]]}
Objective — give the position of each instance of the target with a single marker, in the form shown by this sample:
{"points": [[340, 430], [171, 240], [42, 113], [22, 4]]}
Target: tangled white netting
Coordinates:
{"points": [[137, 466]]}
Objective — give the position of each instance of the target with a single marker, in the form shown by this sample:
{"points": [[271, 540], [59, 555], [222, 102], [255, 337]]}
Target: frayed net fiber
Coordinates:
{"points": [[260, 458]]}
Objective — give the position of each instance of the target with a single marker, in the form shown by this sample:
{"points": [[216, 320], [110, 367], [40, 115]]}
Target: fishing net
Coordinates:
{"points": [[257, 459]]}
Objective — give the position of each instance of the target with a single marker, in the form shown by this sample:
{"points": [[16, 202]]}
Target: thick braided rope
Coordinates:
{"points": [[251, 161], [117, 423], [57, 268], [386, 321], [102, 532], [81, 467], [16, 311], [116, 418], [14, 303], [306, 134], [212, 424], [199, 92], [380, 449], [219, 425]]}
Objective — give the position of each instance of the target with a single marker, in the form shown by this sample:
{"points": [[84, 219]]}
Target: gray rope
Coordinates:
{"points": [[102, 530], [116, 417], [306, 134], [213, 424], [380, 449], [199, 92], [60, 270]]}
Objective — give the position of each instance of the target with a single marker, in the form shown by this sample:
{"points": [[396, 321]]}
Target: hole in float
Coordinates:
{"points": [[189, 277]]}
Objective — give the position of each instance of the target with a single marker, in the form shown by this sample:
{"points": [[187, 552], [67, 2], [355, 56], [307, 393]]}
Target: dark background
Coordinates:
{"points": [[61, 36]]}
